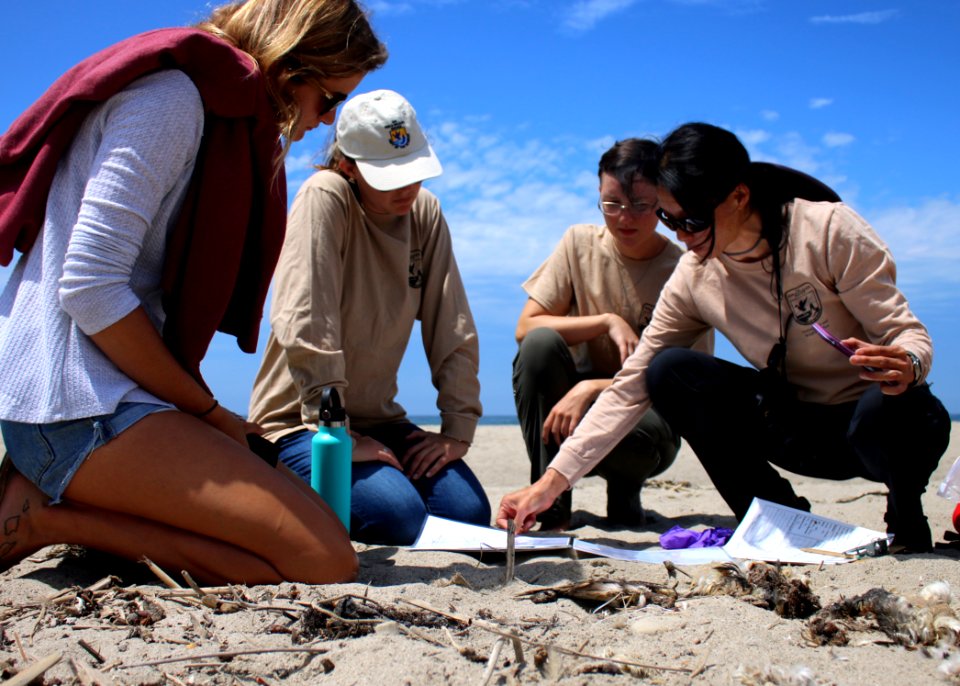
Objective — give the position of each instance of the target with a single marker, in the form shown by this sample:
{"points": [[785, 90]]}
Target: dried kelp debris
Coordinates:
{"points": [[764, 585], [612, 592], [789, 597], [351, 616], [925, 620], [778, 676]]}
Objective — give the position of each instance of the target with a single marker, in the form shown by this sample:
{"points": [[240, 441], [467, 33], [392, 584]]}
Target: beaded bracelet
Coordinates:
{"points": [[210, 409]]}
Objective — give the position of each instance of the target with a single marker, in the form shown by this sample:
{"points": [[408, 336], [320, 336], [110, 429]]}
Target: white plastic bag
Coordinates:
{"points": [[950, 487]]}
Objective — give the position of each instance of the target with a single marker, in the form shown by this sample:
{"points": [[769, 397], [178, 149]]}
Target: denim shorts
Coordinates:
{"points": [[50, 454]]}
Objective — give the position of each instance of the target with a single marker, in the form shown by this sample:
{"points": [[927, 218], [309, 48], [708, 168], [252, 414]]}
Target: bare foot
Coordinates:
{"points": [[18, 497]]}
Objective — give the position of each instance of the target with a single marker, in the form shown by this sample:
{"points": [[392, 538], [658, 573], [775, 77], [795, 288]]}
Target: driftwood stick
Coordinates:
{"points": [[492, 662], [23, 653], [493, 628], [430, 608], [93, 651], [422, 635], [511, 551], [518, 651], [205, 590], [159, 573], [518, 639], [32, 671], [334, 615], [192, 584], [223, 656], [88, 676]]}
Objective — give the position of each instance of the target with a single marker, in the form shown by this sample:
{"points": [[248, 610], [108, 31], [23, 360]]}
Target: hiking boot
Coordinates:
{"points": [[624, 508]]}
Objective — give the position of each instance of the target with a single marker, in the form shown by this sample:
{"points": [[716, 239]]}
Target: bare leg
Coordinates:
{"points": [[31, 524], [201, 494]]}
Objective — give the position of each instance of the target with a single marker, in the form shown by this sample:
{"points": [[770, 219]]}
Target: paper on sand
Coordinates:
{"points": [[769, 532]]}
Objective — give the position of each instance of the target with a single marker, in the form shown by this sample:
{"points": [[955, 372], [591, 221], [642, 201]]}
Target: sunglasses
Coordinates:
{"points": [[614, 209], [686, 225], [330, 101]]}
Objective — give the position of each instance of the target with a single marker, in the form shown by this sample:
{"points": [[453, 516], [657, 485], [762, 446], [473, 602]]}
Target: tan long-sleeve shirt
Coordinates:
{"points": [[347, 292], [836, 271]]}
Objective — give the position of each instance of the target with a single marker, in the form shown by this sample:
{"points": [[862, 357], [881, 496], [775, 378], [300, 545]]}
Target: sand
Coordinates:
{"points": [[714, 639]]}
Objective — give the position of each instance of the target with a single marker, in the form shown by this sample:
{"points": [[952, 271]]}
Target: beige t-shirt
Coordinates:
{"points": [[346, 294], [836, 271], [586, 275]]}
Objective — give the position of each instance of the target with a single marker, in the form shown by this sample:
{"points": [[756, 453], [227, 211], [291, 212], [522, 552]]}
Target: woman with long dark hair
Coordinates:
{"points": [[771, 253]]}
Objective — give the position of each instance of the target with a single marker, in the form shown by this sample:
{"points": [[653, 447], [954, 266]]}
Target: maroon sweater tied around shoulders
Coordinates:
{"points": [[224, 246]]}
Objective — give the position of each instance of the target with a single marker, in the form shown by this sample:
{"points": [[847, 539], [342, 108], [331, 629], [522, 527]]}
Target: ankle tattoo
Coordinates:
{"points": [[11, 525]]}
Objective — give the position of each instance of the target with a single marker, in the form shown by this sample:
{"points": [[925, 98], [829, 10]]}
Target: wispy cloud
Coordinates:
{"points": [[753, 137], [820, 103], [859, 18], [508, 199], [394, 7], [384, 8], [837, 139], [585, 14], [769, 115], [926, 254]]}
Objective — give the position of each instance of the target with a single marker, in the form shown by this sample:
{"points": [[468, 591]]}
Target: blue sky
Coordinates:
{"points": [[520, 98]]}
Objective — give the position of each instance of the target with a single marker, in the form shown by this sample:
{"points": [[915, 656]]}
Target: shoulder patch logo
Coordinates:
{"points": [[399, 136], [646, 314], [805, 303], [415, 274]]}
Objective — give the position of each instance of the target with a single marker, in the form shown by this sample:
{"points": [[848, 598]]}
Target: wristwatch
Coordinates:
{"points": [[917, 368]]}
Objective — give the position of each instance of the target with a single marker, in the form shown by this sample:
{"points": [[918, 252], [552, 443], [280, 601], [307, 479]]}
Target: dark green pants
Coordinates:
{"points": [[543, 372]]}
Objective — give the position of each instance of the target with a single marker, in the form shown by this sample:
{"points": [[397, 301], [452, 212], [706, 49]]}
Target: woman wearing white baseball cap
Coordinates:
{"points": [[367, 253]]}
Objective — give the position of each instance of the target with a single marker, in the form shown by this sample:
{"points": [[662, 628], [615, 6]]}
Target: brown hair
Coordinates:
{"points": [[294, 41]]}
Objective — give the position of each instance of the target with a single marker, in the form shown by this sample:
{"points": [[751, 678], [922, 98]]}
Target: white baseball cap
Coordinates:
{"points": [[379, 131]]}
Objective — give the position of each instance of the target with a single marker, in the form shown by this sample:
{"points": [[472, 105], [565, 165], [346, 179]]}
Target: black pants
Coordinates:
{"points": [[896, 440], [543, 372]]}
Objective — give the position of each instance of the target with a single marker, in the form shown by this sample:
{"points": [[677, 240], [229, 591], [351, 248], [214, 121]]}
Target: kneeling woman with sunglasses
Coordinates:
{"points": [[771, 252], [367, 253]]}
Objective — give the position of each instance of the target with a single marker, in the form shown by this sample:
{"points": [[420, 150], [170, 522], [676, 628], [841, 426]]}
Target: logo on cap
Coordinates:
{"points": [[399, 138]]}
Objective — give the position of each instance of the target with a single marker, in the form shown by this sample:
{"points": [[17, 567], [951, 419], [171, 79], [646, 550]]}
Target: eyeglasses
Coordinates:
{"points": [[686, 225], [330, 101], [614, 209]]}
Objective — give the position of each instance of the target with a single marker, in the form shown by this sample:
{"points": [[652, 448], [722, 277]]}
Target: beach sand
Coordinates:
{"points": [[712, 639]]}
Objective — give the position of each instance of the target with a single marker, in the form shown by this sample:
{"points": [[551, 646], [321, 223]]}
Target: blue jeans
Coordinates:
{"points": [[386, 507]]}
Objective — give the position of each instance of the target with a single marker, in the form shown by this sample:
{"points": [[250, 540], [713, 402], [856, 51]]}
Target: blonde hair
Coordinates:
{"points": [[297, 41]]}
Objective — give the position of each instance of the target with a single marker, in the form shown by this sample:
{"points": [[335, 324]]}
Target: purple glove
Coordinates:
{"points": [[678, 537]]}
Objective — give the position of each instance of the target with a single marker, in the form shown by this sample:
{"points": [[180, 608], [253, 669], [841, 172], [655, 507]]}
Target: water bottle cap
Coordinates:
{"points": [[332, 413]]}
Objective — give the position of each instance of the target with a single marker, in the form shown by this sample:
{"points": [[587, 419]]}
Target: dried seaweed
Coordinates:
{"points": [[351, 616], [763, 585], [612, 592], [924, 622]]}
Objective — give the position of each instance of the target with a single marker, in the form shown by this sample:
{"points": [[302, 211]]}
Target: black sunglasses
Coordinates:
{"points": [[330, 101], [686, 225]]}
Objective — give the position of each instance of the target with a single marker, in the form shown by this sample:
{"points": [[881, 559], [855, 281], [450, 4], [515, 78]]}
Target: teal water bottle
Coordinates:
{"points": [[332, 453]]}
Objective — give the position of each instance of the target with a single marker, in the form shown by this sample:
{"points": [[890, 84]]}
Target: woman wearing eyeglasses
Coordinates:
{"points": [[367, 254], [588, 304], [146, 190], [763, 266]]}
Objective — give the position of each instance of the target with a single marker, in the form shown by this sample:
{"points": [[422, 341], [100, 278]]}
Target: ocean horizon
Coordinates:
{"points": [[511, 420], [492, 420]]}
